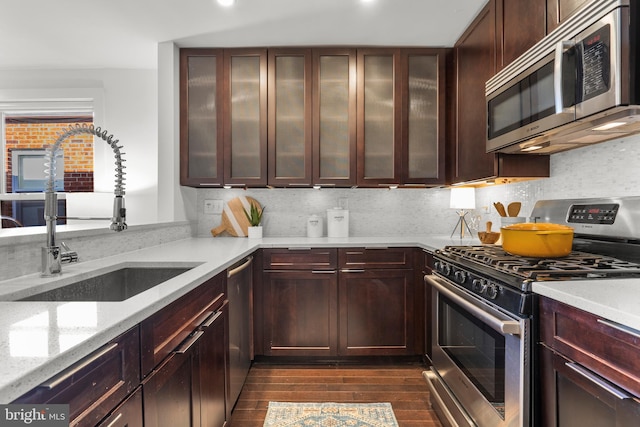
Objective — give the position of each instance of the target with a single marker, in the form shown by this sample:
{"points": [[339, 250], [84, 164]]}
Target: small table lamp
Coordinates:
{"points": [[462, 198]]}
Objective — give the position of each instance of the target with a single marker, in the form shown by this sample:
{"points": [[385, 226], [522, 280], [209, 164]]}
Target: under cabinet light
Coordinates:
{"points": [[608, 126], [226, 2]]}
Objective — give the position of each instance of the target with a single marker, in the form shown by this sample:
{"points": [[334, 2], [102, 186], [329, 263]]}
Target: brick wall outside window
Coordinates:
{"points": [[78, 151]]}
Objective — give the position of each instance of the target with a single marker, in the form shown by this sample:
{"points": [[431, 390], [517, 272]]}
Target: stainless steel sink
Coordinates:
{"points": [[116, 285]]}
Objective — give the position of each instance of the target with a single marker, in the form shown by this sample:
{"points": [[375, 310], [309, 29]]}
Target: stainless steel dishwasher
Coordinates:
{"points": [[240, 291]]}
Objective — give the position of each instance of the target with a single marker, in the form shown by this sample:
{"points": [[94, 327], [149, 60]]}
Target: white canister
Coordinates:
{"points": [[337, 222], [314, 226]]}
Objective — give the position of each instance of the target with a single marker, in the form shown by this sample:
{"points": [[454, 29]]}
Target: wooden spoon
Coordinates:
{"points": [[500, 208], [514, 208]]}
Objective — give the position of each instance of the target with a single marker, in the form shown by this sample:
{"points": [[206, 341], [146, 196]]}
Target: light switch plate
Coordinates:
{"points": [[213, 207]]}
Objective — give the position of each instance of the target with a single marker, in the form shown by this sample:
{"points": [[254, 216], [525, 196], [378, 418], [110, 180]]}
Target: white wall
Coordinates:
{"points": [[130, 104]]}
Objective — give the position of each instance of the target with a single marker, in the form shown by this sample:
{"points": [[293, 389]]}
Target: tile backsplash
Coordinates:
{"points": [[607, 169]]}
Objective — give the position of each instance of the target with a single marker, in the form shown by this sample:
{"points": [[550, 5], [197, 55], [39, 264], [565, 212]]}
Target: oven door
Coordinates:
{"points": [[480, 357]]}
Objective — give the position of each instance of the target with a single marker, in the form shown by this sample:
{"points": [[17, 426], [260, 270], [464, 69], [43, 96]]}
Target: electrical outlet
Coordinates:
{"points": [[213, 206]]}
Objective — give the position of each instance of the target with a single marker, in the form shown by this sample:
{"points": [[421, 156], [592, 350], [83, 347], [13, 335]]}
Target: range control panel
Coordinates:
{"points": [[593, 214]]}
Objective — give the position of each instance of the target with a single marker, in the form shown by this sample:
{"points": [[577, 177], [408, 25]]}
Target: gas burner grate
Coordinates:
{"points": [[576, 265]]}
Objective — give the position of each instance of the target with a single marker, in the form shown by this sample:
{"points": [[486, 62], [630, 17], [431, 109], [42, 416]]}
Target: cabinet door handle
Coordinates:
{"points": [[622, 328], [352, 270], [322, 271], [299, 249], [239, 268], [190, 342], [63, 376], [115, 420], [597, 380]]}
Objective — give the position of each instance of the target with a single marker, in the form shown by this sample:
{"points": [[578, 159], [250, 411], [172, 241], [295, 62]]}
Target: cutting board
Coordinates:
{"points": [[234, 221]]}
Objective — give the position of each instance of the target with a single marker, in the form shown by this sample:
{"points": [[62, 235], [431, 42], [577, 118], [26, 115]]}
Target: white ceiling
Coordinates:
{"points": [[125, 33]]}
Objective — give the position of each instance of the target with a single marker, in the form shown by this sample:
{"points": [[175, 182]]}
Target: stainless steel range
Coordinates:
{"points": [[484, 312]]}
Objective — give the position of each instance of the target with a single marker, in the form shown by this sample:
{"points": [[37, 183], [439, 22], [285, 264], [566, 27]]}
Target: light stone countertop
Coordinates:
{"points": [[613, 299], [39, 339]]}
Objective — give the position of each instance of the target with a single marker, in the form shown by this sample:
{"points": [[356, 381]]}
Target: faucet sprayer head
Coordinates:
{"points": [[119, 214]]}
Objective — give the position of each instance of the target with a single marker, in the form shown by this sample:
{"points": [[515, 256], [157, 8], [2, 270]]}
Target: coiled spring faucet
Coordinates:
{"points": [[52, 255]]}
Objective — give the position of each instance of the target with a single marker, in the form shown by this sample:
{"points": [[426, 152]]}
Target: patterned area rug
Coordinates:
{"points": [[292, 414]]}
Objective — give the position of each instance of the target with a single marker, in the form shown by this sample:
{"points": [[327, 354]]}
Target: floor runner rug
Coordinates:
{"points": [[293, 414]]}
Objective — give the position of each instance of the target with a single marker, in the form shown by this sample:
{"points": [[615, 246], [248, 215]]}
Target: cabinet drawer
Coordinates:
{"points": [[375, 258], [95, 385], [165, 330], [300, 259], [128, 414], [602, 346]]}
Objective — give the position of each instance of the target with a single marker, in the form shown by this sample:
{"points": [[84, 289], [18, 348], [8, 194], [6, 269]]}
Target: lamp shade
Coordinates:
{"points": [[463, 198]]}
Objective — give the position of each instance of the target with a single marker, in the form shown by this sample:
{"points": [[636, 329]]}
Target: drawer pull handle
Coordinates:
{"points": [[622, 328], [299, 249], [322, 271], [352, 270], [211, 320], [597, 380], [65, 375], [239, 268], [115, 420], [190, 342]]}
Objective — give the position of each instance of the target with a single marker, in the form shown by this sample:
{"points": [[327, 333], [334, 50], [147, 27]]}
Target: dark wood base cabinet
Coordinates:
{"points": [[589, 369], [190, 387], [309, 308], [170, 370], [95, 385], [376, 312]]}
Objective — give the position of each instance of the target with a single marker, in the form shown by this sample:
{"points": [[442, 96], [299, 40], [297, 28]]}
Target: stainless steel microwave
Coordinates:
{"points": [[578, 86]]}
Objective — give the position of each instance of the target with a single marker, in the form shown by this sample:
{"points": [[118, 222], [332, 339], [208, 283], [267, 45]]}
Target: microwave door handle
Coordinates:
{"points": [[561, 47]]}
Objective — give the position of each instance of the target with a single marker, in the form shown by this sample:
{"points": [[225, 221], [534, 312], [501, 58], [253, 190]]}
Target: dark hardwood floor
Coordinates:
{"points": [[400, 384]]}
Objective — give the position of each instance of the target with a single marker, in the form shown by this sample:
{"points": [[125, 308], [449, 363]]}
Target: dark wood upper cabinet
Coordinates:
{"points": [[379, 116], [520, 25], [423, 116], [474, 61], [245, 123], [201, 117], [334, 117], [559, 10], [289, 115]]}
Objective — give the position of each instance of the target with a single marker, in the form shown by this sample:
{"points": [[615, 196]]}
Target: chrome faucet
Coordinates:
{"points": [[52, 255]]}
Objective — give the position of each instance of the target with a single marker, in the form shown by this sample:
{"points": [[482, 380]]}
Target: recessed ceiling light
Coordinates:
{"points": [[226, 2]]}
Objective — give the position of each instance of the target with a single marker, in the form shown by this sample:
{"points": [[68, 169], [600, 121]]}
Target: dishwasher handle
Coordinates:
{"points": [[238, 269]]}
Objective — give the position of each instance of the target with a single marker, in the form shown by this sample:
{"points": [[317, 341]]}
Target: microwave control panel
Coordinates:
{"points": [[593, 214]]}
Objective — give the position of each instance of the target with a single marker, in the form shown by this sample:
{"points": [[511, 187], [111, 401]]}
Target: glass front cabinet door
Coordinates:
{"points": [[245, 130], [201, 159]]}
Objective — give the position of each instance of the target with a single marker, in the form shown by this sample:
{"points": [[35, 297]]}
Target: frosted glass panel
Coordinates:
{"points": [[290, 143], [378, 117], [202, 117], [423, 113], [334, 117], [245, 117]]}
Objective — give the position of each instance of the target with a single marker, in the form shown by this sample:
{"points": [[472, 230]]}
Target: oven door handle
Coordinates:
{"points": [[502, 326]]}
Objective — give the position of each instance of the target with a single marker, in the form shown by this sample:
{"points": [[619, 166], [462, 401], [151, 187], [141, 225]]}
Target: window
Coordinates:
{"points": [[28, 128]]}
